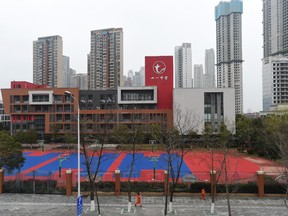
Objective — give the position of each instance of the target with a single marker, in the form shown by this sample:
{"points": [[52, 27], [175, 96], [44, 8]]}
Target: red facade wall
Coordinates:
{"points": [[159, 72], [25, 85], [22, 118]]}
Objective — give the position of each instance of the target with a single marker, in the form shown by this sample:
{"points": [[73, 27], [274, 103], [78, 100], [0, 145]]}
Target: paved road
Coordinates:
{"points": [[50, 205]]}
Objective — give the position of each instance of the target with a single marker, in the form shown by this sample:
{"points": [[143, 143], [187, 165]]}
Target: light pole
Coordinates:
{"points": [[78, 138], [154, 159]]}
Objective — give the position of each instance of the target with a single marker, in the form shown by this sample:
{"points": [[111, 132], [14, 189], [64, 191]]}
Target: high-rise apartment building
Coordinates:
{"points": [[139, 77], [47, 61], [209, 68], [105, 60], [79, 80], [228, 17], [136, 78], [66, 71], [198, 76], [275, 82], [142, 76], [183, 66], [275, 27], [129, 79], [71, 74], [275, 54]]}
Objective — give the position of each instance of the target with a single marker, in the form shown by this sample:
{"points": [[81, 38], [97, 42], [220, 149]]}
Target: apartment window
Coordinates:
{"points": [[59, 108], [67, 97], [67, 108]]}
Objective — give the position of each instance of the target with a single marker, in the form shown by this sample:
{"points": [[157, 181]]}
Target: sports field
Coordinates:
{"points": [[196, 164]]}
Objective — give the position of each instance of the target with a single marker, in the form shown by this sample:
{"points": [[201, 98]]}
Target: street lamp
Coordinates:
{"points": [[154, 159], [78, 135]]}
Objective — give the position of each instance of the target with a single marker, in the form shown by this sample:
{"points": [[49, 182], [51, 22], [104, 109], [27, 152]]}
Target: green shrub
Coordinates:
{"points": [[250, 187], [102, 186], [50, 187], [240, 149], [198, 186], [261, 152], [143, 186], [274, 188], [250, 151]]}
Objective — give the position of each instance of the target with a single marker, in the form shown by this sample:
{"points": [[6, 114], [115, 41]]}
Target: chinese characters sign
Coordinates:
{"points": [[159, 72]]}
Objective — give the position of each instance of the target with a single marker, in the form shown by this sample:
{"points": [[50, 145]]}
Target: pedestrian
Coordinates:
{"points": [[138, 199], [203, 194]]}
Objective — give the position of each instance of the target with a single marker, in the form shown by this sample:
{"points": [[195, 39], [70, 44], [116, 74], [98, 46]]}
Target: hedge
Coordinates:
{"points": [[27, 186], [50, 187]]}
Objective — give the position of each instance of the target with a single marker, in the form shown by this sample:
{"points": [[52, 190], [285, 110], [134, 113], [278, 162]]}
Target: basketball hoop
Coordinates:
{"points": [[154, 158]]}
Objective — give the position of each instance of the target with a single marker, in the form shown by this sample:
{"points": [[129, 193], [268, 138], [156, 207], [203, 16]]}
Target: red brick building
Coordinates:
{"points": [[52, 110]]}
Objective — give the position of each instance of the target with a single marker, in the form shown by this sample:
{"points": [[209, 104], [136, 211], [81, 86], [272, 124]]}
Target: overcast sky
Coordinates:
{"points": [[151, 27]]}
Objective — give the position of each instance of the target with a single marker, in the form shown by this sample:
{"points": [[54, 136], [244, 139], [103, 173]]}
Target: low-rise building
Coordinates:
{"points": [[204, 107], [54, 111]]}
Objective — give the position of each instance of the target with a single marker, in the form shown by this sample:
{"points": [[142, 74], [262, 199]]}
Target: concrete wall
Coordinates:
{"points": [[192, 101]]}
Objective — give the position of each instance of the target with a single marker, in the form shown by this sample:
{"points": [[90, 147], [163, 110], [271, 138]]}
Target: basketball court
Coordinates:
{"points": [[148, 165]]}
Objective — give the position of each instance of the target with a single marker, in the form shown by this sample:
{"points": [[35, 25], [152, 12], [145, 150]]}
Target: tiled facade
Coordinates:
{"points": [[51, 110]]}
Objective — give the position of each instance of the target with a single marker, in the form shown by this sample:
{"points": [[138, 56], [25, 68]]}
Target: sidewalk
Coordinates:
{"points": [[50, 205]]}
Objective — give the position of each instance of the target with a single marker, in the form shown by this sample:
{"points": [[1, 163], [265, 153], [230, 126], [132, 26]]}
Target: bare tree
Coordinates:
{"points": [[218, 144], [209, 141], [94, 157], [224, 138], [169, 138], [133, 136], [174, 139]]}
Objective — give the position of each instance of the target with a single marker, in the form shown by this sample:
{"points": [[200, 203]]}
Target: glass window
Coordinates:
{"points": [[40, 98]]}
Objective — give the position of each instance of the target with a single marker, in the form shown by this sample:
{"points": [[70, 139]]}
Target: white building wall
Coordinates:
{"points": [[275, 82], [193, 101], [275, 49]]}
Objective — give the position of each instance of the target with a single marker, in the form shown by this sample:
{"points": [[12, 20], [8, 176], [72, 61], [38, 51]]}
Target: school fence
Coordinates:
{"points": [[54, 182]]}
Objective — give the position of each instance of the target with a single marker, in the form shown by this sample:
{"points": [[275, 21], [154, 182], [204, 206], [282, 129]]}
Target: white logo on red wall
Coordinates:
{"points": [[159, 67]]}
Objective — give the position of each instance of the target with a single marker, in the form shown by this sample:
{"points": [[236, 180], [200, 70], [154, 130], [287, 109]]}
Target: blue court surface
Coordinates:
{"points": [[40, 164]]}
